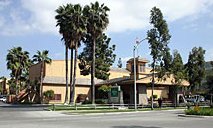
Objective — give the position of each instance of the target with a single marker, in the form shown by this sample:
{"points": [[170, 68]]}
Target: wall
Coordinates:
{"points": [[159, 91], [114, 74], [34, 72], [57, 69], [61, 89]]}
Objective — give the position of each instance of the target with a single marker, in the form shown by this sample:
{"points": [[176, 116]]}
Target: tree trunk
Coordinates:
{"points": [[74, 75], [93, 74], [66, 66], [153, 83], [71, 78], [16, 81], [41, 82]]}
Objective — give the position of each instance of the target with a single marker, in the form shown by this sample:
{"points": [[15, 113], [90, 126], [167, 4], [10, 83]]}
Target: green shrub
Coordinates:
{"points": [[201, 111], [154, 97], [48, 95]]}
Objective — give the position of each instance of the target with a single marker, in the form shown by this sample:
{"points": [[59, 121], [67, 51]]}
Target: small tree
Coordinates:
{"points": [[119, 63], [104, 89], [196, 67], [178, 72], [48, 95]]}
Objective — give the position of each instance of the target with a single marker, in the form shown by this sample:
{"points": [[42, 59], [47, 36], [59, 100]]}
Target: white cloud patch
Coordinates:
{"points": [[4, 3], [209, 55], [124, 16]]}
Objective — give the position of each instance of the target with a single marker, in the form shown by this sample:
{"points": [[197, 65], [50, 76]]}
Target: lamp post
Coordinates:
{"points": [[135, 86]]}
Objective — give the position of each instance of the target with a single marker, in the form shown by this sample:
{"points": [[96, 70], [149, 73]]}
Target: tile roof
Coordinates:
{"points": [[62, 80], [122, 70]]}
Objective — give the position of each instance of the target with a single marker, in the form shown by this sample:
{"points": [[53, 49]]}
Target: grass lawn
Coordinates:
{"points": [[202, 111]]}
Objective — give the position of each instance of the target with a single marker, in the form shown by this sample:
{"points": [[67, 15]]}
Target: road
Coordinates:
{"points": [[49, 119]]}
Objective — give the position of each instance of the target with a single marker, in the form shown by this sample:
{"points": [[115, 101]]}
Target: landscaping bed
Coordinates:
{"points": [[201, 111]]}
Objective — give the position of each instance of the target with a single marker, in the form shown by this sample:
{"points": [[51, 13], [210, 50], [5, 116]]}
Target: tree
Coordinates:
{"points": [[196, 67], [48, 95], [63, 19], [72, 26], [78, 30], [18, 62], [178, 72], [158, 38], [119, 63], [97, 21], [209, 79], [41, 57], [104, 57]]}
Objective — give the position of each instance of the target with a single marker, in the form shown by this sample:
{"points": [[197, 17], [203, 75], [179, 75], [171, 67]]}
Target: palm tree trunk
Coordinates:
{"points": [[93, 74], [41, 82], [16, 80], [71, 78], [74, 75], [66, 65]]}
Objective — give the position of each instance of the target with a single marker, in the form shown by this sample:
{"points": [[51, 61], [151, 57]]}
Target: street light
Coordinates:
{"points": [[135, 88]]}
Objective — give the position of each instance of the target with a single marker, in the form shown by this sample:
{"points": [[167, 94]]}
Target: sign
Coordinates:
{"points": [[115, 90]]}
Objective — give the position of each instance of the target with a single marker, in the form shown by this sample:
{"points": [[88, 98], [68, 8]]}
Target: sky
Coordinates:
{"points": [[31, 25]]}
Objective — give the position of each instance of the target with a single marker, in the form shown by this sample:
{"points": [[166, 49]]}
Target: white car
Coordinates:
{"points": [[3, 99]]}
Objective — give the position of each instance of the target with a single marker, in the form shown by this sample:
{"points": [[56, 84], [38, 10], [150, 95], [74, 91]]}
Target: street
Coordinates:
{"points": [[49, 119]]}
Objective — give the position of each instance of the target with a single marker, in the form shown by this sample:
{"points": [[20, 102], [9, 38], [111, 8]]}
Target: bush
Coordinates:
{"points": [[48, 95], [154, 97], [200, 111], [81, 98], [87, 102], [101, 101]]}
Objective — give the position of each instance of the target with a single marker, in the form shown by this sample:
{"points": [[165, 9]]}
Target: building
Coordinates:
{"points": [[4, 87], [54, 79]]}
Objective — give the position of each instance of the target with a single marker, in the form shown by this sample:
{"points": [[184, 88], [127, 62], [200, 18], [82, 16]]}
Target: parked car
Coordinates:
{"points": [[3, 98], [195, 98]]}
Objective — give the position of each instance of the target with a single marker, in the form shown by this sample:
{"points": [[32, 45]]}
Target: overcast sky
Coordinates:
{"points": [[31, 25]]}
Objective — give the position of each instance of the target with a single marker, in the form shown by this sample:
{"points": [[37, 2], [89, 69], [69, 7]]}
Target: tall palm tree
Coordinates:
{"points": [[97, 22], [42, 57], [62, 18], [78, 30], [72, 27]]}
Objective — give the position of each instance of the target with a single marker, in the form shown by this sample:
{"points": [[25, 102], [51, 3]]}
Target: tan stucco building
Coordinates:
{"points": [[54, 79]]}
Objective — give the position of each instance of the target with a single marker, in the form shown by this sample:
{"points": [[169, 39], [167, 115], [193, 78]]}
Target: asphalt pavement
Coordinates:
{"points": [[51, 119]]}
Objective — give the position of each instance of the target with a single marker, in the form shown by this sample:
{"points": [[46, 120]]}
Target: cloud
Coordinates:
{"points": [[4, 3], [38, 16], [209, 55]]}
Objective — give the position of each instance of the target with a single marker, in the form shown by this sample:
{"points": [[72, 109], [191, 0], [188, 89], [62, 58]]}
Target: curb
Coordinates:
{"points": [[192, 116]]}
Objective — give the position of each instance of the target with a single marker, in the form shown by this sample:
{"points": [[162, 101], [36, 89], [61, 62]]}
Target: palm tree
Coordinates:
{"points": [[78, 30], [18, 62], [72, 27], [42, 57], [97, 21], [62, 18]]}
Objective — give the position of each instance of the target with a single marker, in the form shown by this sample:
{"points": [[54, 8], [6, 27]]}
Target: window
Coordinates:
{"points": [[142, 67], [57, 97]]}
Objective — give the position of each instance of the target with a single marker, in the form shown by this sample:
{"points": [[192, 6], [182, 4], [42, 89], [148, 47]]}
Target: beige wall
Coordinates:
{"points": [[159, 91], [61, 89], [57, 69], [114, 74]]}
